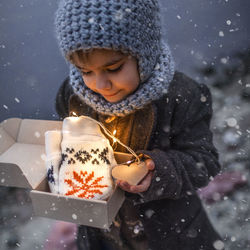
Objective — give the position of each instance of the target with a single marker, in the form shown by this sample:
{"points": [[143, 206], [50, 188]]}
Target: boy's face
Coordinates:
{"points": [[109, 73]]}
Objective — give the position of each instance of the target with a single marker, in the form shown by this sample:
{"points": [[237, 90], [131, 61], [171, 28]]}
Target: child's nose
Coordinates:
{"points": [[102, 82]]}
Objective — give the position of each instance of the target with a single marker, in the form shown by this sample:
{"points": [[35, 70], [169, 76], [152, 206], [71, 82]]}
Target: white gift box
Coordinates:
{"points": [[22, 164]]}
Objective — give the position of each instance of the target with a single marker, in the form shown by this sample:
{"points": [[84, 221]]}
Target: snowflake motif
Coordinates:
{"points": [[84, 159], [64, 156], [71, 161], [95, 151], [70, 150], [103, 155], [83, 156], [87, 185], [50, 175]]}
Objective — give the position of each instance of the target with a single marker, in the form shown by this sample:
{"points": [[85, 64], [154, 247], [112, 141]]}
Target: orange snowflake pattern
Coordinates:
{"points": [[87, 185]]}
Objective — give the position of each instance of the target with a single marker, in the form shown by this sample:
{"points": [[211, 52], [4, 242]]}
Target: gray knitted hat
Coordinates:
{"points": [[129, 26]]}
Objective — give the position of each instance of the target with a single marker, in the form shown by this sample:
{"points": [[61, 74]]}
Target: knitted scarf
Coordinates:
{"points": [[151, 89]]}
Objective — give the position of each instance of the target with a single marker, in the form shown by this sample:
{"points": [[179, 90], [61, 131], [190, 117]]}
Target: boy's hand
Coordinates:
{"points": [[143, 185]]}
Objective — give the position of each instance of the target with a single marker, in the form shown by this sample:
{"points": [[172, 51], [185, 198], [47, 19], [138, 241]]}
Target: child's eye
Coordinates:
{"points": [[86, 73], [116, 69]]}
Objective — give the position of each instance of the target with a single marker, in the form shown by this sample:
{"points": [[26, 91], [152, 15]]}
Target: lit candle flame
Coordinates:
{"points": [[74, 114]]}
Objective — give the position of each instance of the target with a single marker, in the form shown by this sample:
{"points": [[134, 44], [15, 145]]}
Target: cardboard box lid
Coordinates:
{"points": [[22, 151]]}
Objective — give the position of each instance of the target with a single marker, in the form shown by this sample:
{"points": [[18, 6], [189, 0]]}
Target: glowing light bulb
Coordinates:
{"points": [[114, 133], [74, 117]]}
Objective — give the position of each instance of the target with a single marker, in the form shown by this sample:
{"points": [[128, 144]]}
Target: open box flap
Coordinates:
{"points": [[32, 131], [11, 126], [22, 151], [23, 165]]}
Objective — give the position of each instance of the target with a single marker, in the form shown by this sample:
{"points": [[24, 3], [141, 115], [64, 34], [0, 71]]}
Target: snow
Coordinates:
{"points": [[149, 213], [218, 245], [221, 34], [231, 122], [203, 98], [128, 10], [157, 179], [74, 216], [17, 100], [157, 66], [91, 20], [37, 135], [224, 60], [43, 157], [230, 138]]}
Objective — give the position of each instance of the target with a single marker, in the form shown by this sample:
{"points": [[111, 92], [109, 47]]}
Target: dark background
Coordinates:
{"points": [[210, 41], [199, 32]]}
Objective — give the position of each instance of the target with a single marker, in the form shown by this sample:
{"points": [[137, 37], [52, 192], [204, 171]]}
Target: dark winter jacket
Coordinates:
{"points": [[174, 132]]}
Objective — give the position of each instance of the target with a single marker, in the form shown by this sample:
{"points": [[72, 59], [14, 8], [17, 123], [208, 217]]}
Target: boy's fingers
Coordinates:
{"points": [[144, 185], [124, 185], [150, 164]]}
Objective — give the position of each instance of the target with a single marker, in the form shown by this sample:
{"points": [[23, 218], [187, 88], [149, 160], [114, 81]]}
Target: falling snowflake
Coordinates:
{"points": [[17, 100], [231, 122], [149, 213], [218, 245], [37, 135], [157, 179], [128, 10], [221, 33], [203, 98], [224, 60], [91, 20], [87, 186], [74, 216]]}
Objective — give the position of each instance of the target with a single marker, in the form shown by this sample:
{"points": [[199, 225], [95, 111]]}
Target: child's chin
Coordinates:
{"points": [[114, 100]]}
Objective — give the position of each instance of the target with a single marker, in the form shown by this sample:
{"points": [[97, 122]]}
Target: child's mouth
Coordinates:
{"points": [[110, 95]]}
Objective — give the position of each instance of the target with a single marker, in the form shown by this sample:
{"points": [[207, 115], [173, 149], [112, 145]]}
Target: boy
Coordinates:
{"points": [[122, 74]]}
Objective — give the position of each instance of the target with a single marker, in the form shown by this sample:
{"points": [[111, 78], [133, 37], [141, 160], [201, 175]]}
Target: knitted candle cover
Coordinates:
{"points": [[87, 159], [132, 27]]}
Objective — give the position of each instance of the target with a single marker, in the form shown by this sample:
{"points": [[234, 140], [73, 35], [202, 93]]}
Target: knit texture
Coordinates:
{"points": [[154, 88], [131, 26], [86, 169], [87, 159]]}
